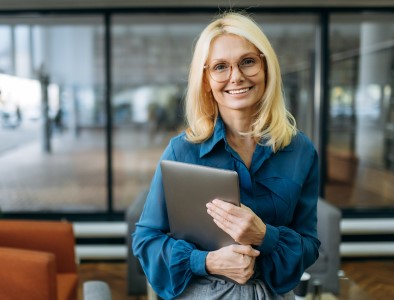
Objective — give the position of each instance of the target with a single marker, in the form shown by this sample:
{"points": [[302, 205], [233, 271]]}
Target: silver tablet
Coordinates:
{"points": [[187, 189]]}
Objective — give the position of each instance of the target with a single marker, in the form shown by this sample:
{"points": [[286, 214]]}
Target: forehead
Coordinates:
{"points": [[230, 46]]}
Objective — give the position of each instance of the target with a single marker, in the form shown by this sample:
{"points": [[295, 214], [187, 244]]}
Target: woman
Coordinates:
{"points": [[237, 120]]}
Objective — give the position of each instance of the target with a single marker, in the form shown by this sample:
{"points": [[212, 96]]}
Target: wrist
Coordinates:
{"points": [[210, 262], [260, 238]]}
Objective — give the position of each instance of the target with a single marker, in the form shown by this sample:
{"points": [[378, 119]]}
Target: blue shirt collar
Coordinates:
{"points": [[219, 134]]}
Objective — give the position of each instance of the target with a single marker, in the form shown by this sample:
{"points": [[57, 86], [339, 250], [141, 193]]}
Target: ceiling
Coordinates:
{"points": [[102, 4]]}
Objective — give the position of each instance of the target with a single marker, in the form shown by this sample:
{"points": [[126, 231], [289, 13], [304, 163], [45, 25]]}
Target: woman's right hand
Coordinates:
{"points": [[235, 262]]}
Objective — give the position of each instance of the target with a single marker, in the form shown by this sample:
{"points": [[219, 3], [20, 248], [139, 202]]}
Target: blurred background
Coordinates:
{"points": [[91, 93]]}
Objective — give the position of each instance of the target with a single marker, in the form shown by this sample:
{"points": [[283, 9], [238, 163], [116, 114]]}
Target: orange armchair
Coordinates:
{"points": [[37, 260]]}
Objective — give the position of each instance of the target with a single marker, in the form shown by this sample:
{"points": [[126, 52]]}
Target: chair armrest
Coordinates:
{"points": [[48, 236], [136, 280], [96, 290], [67, 286], [325, 269], [328, 228], [26, 274]]}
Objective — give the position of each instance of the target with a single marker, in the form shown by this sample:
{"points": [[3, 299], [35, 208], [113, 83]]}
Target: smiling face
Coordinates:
{"points": [[239, 93]]}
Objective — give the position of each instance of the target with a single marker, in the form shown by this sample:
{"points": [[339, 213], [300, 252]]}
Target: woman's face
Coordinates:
{"points": [[239, 92]]}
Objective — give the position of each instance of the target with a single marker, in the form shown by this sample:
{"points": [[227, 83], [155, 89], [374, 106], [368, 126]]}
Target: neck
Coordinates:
{"points": [[237, 123], [244, 145]]}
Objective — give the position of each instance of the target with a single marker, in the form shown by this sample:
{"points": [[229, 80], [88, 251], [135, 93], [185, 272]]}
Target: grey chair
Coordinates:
{"points": [[136, 280], [325, 269], [96, 290]]}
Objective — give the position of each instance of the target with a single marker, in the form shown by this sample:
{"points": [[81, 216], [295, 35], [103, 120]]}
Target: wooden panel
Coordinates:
{"points": [[363, 280]]}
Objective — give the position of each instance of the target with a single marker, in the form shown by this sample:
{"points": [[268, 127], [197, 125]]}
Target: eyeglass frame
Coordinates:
{"points": [[260, 55]]}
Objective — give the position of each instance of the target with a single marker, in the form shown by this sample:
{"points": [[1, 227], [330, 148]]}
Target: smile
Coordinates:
{"points": [[240, 91]]}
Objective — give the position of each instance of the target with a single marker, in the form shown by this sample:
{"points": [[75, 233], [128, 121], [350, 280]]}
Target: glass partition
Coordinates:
{"points": [[53, 116], [6, 51], [150, 63], [52, 131], [293, 39], [151, 57], [360, 153]]}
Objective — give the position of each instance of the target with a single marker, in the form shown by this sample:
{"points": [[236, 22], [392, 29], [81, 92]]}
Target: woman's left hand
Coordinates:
{"points": [[241, 223]]}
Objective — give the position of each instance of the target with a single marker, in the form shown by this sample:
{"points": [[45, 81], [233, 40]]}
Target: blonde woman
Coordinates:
{"points": [[237, 120]]}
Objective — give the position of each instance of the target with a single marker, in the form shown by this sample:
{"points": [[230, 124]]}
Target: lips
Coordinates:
{"points": [[238, 91]]}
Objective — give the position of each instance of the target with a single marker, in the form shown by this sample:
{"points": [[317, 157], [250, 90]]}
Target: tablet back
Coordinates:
{"points": [[187, 189]]}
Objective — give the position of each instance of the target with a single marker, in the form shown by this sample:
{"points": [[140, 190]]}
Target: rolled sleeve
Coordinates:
{"points": [[270, 241], [197, 262]]}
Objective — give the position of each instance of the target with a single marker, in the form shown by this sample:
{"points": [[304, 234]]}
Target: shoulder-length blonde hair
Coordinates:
{"points": [[273, 124]]}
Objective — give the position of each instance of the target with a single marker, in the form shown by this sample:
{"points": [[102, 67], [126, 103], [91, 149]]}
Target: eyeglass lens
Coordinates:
{"points": [[249, 66]]}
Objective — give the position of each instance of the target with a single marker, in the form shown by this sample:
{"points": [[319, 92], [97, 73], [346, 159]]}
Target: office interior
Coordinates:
{"points": [[91, 93]]}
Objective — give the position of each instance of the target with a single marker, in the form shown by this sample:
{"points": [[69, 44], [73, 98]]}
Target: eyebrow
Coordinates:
{"points": [[242, 56]]}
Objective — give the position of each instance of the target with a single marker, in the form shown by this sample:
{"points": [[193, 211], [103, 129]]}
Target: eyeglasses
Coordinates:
{"points": [[249, 66]]}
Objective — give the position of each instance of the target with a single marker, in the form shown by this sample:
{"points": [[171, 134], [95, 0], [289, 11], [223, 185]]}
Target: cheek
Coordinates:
{"points": [[261, 86], [217, 96], [216, 88]]}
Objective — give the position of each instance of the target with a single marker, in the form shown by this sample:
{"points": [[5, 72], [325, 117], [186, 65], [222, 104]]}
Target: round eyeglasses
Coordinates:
{"points": [[249, 66]]}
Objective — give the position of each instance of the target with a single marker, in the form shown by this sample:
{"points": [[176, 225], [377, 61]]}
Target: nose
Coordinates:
{"points": [[236, 74]]}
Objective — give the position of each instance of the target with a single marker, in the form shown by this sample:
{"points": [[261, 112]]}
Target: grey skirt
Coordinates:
{"points": [[212, 288]]}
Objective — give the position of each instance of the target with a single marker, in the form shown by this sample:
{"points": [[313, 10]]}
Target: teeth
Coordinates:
{"points": [[238, 91]]}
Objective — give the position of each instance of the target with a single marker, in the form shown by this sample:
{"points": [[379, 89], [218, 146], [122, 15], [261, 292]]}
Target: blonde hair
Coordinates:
{"points": [[273, 124]]}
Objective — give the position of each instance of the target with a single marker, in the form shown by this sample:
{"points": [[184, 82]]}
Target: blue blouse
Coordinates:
{"points": [[281, 188]]}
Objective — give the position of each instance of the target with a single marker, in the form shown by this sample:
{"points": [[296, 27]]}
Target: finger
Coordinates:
{"points": [[246, 208], [225, 206], [224, 227], [226, 222], [247, 250], [220, 215]]}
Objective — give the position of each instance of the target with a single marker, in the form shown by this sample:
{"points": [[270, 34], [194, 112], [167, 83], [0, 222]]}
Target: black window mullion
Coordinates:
{"points": [[108, 93], [321, 86]]}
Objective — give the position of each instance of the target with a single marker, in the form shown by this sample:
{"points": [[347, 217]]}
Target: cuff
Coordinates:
{"points": [[197, 262], [270, 241]]}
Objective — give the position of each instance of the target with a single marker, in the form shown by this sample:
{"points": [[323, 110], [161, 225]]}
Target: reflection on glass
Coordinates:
{"points": [[5, 50], [23, 67], [151, 57], [293, 38], [361, 115], [52, 134]]}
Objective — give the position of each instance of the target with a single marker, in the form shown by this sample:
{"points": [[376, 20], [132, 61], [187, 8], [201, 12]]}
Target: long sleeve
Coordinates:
{"points": [[169, 264], [288, 250]]}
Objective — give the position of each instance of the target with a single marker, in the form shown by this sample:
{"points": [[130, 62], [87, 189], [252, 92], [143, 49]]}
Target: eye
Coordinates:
{"points": [[248, 61], [221, 67]]}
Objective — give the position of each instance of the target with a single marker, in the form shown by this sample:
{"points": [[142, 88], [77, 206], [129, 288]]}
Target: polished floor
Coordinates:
{"points": [[75, 171], [361, 280]]}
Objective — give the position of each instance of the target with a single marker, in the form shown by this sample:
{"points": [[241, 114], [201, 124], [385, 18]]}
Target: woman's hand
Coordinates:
{"points": [[241, 223], [235, 262]]}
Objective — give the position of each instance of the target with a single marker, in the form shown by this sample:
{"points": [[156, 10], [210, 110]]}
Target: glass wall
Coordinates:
{"points": [[151, 57], [293, 39], [6, 50], [52, 117], [360, 151], [54, 124]]}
